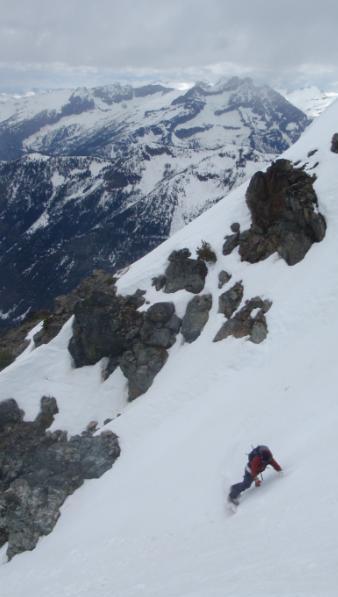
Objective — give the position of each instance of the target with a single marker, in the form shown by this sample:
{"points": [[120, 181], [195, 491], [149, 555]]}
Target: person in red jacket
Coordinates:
{"points": [[258, 460]]}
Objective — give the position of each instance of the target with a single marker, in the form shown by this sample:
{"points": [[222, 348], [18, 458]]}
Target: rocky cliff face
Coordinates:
{"points": [[285, 218], [100, 177], [39, 469]]}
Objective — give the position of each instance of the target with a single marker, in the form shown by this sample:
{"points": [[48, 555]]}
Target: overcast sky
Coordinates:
{"points": [[48, 43]]}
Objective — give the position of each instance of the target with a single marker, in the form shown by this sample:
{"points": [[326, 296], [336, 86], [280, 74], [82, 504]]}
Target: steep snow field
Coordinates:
{"points": [[156, 525]]}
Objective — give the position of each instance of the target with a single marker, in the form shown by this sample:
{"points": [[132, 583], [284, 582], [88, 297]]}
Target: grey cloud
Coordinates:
{"points": [[263, 36]]}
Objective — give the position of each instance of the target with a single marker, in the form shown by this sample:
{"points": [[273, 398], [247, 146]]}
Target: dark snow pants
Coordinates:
{"points": [[236, 489]]}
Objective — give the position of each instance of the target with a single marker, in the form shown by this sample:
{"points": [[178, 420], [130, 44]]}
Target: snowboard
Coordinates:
{"points": [[232, 506]]}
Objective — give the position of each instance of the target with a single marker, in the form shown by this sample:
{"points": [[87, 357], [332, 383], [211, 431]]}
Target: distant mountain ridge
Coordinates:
{"points": [[99, 177]]}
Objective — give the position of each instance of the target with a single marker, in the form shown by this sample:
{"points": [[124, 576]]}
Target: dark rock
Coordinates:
{"points": [[109, 367], [231, 242], [161, 312], [161, 325], [230, 300], [91, 427], [151, 335], [109, 325], [159, 282], [334, 143], [196, 316], [14, 341], [235, 227], [140, 365], [185, 273], [259, 329], [64, 305], [104, 325], [294, 246], [10, 414], [283, 206], [256, 246], [39, 469], [311, 153], [244, 324], [174, 324], [235, 327], [48, 409], [223, 278], [137, 298]]}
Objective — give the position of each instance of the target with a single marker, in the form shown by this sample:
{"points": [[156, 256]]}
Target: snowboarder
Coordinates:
{"points": [[258, 459]]}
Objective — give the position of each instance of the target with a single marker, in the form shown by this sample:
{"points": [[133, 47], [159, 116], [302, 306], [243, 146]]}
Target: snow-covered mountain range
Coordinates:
{"points": [[99, 177], [156, 523]]}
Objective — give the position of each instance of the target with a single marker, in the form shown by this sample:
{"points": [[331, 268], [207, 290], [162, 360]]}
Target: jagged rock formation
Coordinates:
{"points": [[244, 324], [13, 342], [196, 316], [64, 305], [109, 325], [285, 217], [140, 365], [184, 273], [104, 326], [39, 469]]}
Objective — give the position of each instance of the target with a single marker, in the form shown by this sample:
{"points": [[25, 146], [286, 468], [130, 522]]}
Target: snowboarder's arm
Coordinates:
{"points": [[275, 465]]}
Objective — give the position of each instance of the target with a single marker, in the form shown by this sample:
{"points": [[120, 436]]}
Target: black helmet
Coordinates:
{"points": [[265, 453]]}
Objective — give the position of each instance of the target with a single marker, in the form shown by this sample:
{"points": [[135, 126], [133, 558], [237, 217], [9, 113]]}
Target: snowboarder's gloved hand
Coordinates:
{"points": [[258, 482]]}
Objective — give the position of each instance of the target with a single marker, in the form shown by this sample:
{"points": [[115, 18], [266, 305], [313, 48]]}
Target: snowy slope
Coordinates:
{"points": [[156, 525], [311, 100]]}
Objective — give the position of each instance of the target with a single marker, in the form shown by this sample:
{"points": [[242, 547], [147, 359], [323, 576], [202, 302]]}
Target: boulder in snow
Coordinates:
{"points": [[223, 278], [244, 323], [185, 273], [196, 316], [284, 211], [230, 300]]}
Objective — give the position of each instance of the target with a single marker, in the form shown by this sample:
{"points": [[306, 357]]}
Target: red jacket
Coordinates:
{"points": [[258, 465]]}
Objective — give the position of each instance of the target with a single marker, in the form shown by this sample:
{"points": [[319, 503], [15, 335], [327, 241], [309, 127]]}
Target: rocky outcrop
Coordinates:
{"points": [[160, 326], [230, 243], [184, 273], [196, 316], [230, 300], [39, 469], [284, 212], [158, 282], [246, 323], [223, 278], [14, 341], [109, 325], [140, 365], [99, 281], [105, 325], [334, 143]]}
